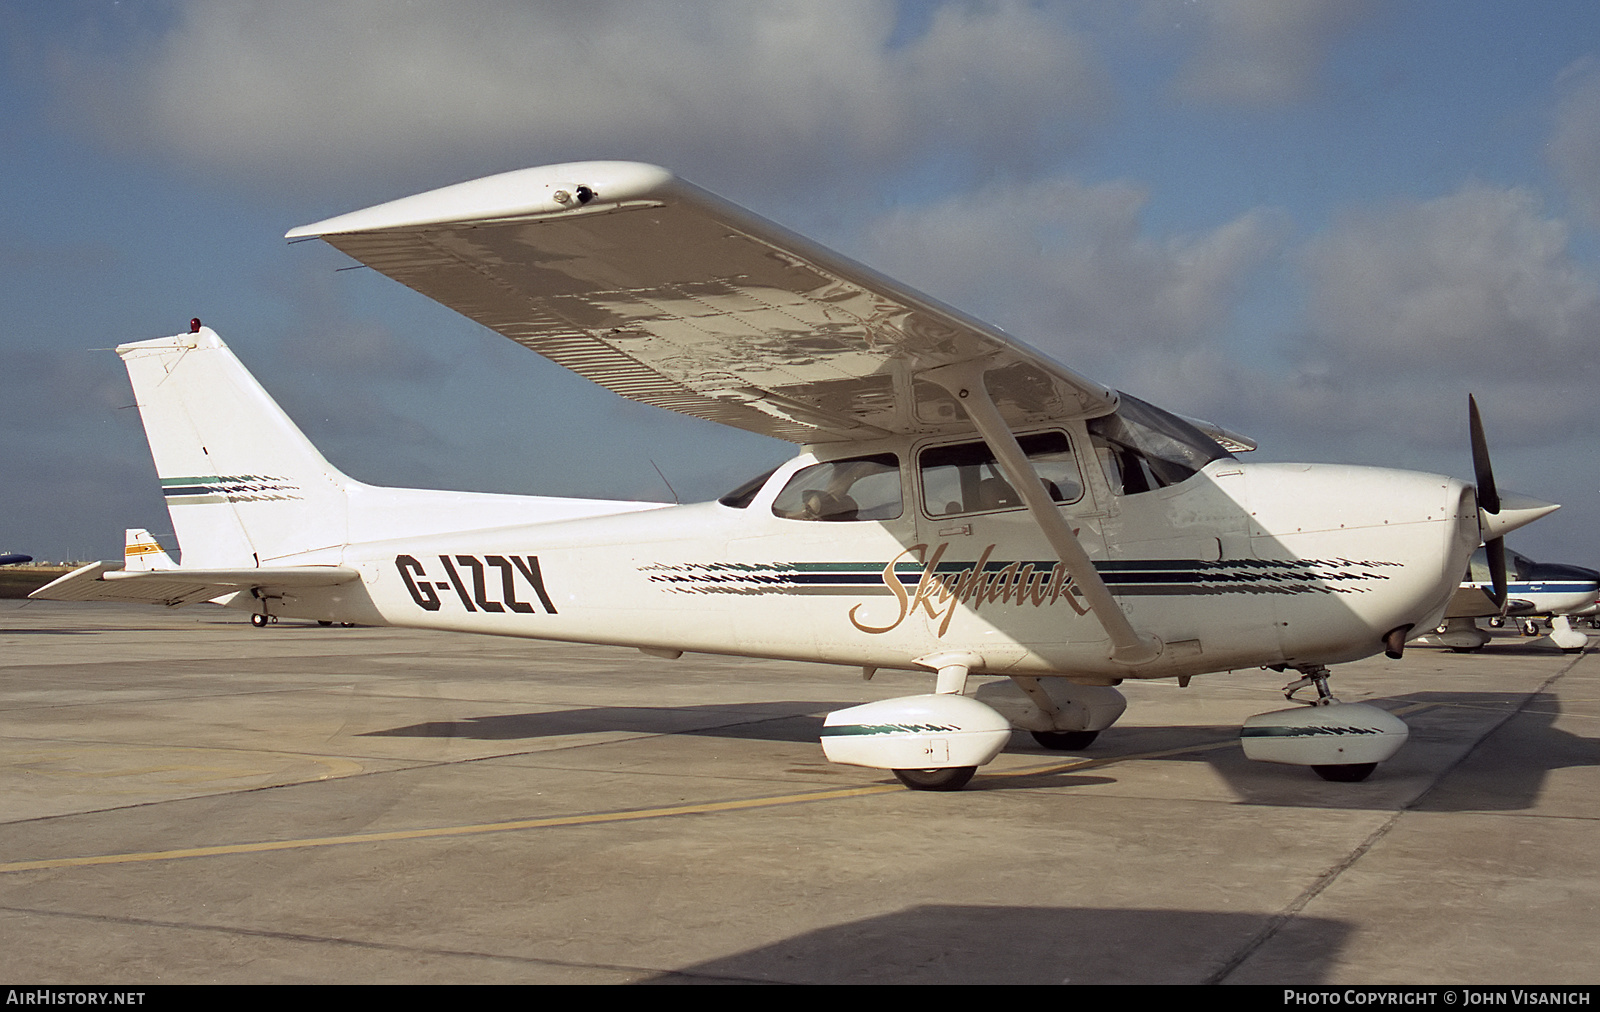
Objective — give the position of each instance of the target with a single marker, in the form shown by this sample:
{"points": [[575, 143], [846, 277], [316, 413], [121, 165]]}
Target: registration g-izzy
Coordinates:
{"points": [[961, 504]]}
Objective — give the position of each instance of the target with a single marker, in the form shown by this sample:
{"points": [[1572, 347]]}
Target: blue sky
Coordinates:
{"points": [[1322, 223]]}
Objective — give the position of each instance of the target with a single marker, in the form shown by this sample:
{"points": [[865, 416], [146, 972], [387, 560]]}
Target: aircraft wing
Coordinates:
{"points": [[667, 294], [107, 581], [1473, 600]]}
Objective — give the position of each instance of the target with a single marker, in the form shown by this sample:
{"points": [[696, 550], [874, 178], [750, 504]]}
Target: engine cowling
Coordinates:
{"points": [[935, 731]]}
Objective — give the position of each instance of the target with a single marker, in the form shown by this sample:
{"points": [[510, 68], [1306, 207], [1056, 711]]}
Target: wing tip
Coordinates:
{"points": [[544, 189]]}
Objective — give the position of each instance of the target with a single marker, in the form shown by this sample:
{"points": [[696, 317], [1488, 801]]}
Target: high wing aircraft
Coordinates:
{"points": [[961, 503], [1532, 589]]}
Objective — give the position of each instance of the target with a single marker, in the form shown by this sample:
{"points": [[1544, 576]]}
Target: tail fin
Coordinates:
{"points": [[141, 552], [243, 485]]}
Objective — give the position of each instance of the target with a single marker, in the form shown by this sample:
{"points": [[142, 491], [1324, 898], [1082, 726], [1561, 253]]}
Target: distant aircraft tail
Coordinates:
{"points": [[142, 552], [243, 485]]}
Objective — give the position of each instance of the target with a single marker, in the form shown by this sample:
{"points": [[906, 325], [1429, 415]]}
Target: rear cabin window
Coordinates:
{"points": [[857, 488], [965, 477]]}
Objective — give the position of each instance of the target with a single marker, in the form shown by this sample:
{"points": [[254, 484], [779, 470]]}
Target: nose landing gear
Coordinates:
{"points": [[1341, 742]]}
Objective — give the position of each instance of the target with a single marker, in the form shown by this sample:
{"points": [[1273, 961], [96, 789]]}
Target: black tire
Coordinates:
{"points": [[951, 778], [1346, 773], [325, 623], [259, 621], [1065, 741]]}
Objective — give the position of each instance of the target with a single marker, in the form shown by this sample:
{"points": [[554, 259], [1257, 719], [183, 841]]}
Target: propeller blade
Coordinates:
{"points": [[1488, 495], [1496, 550]]}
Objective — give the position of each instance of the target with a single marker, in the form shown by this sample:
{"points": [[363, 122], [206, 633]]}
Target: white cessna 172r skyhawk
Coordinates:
{"points": [[961, 503]]}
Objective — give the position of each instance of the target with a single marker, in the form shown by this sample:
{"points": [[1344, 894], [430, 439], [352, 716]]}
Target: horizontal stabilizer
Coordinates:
{"points": [[107, 581]]}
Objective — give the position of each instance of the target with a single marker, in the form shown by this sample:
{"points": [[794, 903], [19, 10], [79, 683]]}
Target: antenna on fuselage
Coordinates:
{"points": [[675, 500]]}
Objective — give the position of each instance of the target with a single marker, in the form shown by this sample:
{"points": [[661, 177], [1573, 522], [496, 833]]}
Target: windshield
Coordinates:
{"points": [[1142, 447]]}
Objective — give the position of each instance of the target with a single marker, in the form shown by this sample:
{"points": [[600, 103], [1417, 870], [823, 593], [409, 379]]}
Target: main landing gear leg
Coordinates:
{"points": [[1342, 742], [933, 742], [952, 681], [1072, 715]]}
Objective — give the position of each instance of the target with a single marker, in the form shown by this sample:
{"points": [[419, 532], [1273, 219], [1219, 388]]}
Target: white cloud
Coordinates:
{"points": [[1376, 329], [308, 86], [1065, 266], [1256, 52], [1574, 148], [1412, 303]]}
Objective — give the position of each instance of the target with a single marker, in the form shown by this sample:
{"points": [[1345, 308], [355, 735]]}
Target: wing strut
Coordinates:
{"points": [[965, 381]]}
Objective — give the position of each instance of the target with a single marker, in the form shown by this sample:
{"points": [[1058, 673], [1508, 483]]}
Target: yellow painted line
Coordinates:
{"points": [[446, 831], [592, 819]]}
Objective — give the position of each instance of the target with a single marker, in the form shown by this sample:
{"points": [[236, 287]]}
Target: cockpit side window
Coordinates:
{"points": [[1142, 448], [965, 477], [857, 488]]}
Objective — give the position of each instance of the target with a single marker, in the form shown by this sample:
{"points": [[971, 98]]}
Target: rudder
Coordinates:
{"points": [[243, 485]]}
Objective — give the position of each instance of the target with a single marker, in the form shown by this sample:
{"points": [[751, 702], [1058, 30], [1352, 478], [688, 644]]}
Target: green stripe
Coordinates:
{"points": [[845, 730]]}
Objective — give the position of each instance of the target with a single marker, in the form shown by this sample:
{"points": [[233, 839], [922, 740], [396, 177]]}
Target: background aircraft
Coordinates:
{"points": [[11, 560], [1533, 590]]}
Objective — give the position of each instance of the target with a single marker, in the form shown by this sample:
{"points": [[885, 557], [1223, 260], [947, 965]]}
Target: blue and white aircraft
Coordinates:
{"points": [[960, 504], [1533, 590]]}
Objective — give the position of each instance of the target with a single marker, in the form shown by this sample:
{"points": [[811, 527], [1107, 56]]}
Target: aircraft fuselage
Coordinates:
{"points": [[1239, 565]]}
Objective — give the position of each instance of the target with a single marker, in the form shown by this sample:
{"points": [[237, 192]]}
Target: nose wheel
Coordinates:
{"points": [[1341, 742]]}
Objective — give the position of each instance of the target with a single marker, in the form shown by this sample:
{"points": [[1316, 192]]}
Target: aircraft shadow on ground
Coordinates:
{"points": [[1507, 769], [940, 944], [1503, 772], [794, 721], [1505, 766]]}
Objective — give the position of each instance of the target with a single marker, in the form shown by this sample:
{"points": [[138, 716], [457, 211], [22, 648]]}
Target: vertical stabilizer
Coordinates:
{"points": [[142, 552], [243, 485]]}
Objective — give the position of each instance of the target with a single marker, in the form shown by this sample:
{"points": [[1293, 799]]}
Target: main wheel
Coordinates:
{"points": [[951, 778], [1346, 773], [1065, 741], [259, 621]]}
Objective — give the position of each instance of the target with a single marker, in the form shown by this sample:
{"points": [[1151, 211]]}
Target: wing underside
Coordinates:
{"points": [[668, 295]]}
